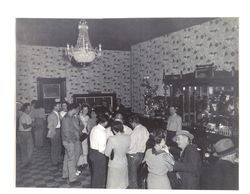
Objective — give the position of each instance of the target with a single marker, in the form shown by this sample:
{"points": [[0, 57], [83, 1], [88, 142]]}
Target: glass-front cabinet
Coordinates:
{"points": [[204, 94]]}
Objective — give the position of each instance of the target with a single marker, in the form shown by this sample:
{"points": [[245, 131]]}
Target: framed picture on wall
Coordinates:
{"points": [[51, 91]]}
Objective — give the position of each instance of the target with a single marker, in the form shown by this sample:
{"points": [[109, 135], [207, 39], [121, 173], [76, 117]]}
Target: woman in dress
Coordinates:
{"points": [[159, 162], [84, 118], [116, 149]]}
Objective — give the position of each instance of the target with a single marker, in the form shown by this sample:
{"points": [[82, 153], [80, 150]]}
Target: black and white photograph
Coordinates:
{"points": [[127, 102], [139, 103]]}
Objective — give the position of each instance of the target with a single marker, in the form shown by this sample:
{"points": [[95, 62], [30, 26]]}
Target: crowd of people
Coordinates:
{"points": [[115, 151]]}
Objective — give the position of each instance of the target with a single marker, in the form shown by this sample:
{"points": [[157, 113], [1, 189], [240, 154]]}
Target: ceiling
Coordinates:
{"points": [[113, 34]]}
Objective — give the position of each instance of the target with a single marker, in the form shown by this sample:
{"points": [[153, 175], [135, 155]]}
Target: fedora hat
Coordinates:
{"points": [[224, 147], [183, 132]]}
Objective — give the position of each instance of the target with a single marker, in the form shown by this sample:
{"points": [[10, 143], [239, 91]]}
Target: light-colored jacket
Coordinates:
{"points": [[120, 144]]}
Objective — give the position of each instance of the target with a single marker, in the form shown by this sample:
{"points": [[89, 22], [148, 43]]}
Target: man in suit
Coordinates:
{"points": [[188, 166], [120, 108], [54, 133]]}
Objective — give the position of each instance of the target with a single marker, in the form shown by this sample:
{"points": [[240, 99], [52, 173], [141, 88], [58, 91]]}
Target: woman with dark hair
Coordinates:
{"points": [[25, 136], [83, 118], [159, 162], [118, 166], [39, 124], [93, 120]]}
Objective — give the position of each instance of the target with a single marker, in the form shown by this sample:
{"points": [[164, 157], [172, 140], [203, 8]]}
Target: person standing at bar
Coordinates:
{"points": [[54, 133], [139, 138], [24, 135], [96, 153], [174, 124]]}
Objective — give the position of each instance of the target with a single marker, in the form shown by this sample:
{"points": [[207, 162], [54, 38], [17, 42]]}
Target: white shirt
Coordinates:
{"points": [[59, 123], [139, 138], [174, 123], [98, 138], [24, 119], [63, 113], [127, 130]]}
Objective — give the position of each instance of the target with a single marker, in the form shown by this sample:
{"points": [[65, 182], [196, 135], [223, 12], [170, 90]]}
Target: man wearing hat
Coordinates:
{"points": [[224, 174], [188, 167]]}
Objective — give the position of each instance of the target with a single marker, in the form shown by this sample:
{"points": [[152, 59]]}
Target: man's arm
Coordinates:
{"points": [[109, 147], [179, 124]]}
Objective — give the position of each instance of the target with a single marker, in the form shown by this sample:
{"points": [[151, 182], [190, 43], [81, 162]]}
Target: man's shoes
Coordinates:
{"points": [[78, 172], [81, 168], [74, 184]]}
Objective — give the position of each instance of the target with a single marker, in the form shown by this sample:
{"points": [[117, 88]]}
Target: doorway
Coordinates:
{"points": [[50, 90]]}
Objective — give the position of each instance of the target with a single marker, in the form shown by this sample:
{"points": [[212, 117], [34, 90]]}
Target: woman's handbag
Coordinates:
{"points": [[144, 175], [174, 180], [83, 137], [112, 155], [51, 133]]}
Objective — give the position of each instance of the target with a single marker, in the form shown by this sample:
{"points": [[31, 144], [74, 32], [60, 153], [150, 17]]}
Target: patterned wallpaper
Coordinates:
{"points": [[215, 42], [110, 73], [122, 72]]}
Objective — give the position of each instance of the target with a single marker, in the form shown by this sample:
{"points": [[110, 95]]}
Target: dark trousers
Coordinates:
{"points": [[134, 161], [173, 146], [99, 169], [25, 140], [56, 147]]}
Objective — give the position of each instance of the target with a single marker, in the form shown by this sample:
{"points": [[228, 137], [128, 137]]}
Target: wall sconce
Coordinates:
{"points": [[184, 88], [195, 88]]}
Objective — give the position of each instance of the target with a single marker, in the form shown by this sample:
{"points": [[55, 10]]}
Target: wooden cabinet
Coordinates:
{"points": [[186, 90], [96, 99]]}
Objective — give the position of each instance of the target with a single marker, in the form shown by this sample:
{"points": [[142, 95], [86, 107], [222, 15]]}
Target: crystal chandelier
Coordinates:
{"points": [[83, 52]]}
